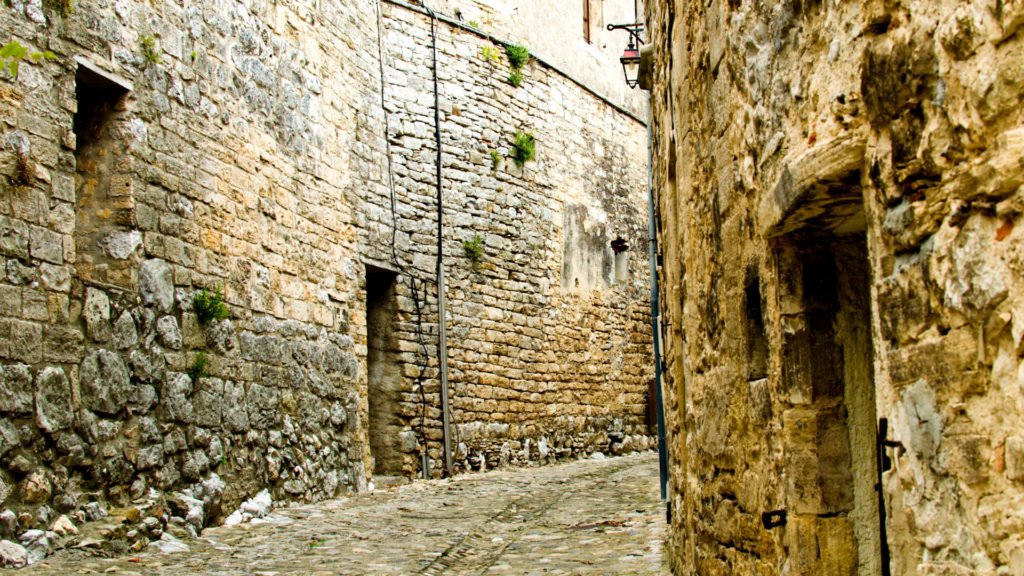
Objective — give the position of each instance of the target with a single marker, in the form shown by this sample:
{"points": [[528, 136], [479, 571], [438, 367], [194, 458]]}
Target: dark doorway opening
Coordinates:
{"points": [[828, 376], [383, 371]]}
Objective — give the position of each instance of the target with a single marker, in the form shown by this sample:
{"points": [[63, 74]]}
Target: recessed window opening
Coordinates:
{"points": [[104, 202], [621, 250], [757, 339]]}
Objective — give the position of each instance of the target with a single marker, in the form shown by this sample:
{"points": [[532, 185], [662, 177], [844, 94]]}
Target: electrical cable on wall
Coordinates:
{"points": [[424, 354]]}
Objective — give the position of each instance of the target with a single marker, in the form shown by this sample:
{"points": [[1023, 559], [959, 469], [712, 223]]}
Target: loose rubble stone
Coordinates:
{"points": [[63, 526], [38, 543], [97, 315], [168, 544], [53, 400], [104, 382], [16, 391], [156, 284], [13, 555], [512, 522], [256, 507]]}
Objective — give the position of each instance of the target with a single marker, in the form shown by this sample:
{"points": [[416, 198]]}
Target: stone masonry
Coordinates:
{"points": [[547, 338], [176, 149], [839, 193]]}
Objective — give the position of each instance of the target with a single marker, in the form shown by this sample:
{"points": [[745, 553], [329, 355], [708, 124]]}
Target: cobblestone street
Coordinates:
{"points": [[594, 516]]}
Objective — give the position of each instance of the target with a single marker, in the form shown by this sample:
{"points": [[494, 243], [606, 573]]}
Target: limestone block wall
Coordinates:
{"points": [[240, 148], [548, 341], [838, 188], [555, 31], [222, 159]]}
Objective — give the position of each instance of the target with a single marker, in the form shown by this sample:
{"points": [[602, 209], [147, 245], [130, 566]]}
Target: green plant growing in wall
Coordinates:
{"points": [[209, 306], [12, 53], [490, 55], [25, 169], [64, 7], [473, 249], [515, 78], [474, 24], [495, 159], [198, 369], [523, 148], [150, 51], [518, 55]]}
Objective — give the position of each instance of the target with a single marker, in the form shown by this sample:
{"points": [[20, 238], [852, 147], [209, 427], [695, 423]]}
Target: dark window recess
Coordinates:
{"points": [[103, 183], [757, 340], [620, 248]]}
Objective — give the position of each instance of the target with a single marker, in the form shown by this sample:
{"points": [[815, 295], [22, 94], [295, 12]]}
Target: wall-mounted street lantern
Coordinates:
{"points": [[631, 55]]}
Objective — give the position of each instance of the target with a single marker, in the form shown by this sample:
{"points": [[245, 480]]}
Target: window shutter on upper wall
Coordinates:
{"points": [[586, 20]]}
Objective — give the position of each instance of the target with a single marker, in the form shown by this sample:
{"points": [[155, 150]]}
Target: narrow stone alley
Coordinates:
{"points": [[592, 516]]}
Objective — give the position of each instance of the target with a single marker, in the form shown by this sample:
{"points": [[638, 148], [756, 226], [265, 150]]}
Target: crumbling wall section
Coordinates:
{"points": [[238, 152], [779, 129], [227, 165]]}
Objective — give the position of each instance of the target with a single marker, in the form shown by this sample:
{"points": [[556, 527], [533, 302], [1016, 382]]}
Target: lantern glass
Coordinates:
{"points": [[631, 66]]}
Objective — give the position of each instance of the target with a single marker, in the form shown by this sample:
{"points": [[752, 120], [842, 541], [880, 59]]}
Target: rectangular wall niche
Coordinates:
{"points": [[757, 338], [383, 371], [587, 259], [105, 235]]}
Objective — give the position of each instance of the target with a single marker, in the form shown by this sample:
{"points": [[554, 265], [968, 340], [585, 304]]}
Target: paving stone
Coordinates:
{"points": [[593, 516]]}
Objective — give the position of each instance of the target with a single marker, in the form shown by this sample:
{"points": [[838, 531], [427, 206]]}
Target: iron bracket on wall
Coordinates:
{"points": [[884, 463], [773, 519]]}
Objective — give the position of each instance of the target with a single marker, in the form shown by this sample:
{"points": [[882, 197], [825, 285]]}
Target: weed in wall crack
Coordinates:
{"points": [[473, 249], [523, 148], [12, 53], [150, 51], [198, 369], [518, 56], [490, 55], [209, 307]]}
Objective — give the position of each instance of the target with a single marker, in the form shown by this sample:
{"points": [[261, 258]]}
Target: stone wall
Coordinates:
{"points": [[554, 31], [839, 188], [545, 360], [175, 150]]}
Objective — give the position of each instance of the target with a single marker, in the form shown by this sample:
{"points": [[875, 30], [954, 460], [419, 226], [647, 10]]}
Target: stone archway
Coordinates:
{"points": [[816, 225]]}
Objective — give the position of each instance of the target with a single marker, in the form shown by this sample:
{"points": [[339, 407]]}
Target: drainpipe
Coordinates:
{"points": [[442, 335], [652, 244]]}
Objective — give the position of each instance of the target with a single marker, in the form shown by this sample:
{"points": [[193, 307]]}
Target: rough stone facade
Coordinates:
{"points": [[549, 331], [839, 194], [560, 33], [240, 147]]}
